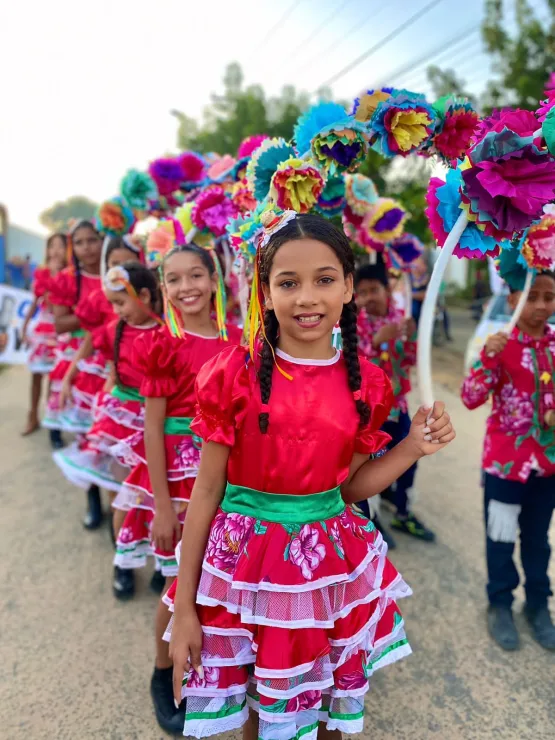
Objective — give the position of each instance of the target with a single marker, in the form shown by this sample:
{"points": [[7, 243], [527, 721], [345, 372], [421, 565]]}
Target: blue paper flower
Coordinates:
{"points": [[264, 162]]}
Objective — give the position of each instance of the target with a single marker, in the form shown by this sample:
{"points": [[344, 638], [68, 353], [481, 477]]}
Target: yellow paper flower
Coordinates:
{"points": [[409, 128], [368, 102], [296, 185]]}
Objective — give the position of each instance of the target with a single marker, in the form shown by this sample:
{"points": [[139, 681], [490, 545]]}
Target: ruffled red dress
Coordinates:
{"points": [[119, 416], [169, 366], [297, 599], [42, 338], [77, 415]]}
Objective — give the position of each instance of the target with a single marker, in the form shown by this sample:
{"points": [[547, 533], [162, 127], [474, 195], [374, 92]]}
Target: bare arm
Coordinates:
{"points": [[186, 641], [64, 321], [29, 316], [84, 351]]}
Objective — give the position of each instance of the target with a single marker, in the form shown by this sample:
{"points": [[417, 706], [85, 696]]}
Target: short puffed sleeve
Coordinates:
{"points": [[223, 392], [63, 290], [42, 280], [155, 355], [93, 310], [377, 392]]}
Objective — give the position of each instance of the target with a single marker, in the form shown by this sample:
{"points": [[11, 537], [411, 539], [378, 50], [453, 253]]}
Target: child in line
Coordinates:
{"points": [[43, 338], [286, 602], [388, 340], [518, 373], [99, 457], [155, 494]]}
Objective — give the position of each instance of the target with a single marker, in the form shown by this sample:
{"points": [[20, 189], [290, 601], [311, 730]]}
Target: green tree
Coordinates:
{"points": [[446, 82], [57, 217]]}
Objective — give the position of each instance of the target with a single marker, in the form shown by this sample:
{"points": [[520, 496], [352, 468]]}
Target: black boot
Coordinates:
{"points": [[502, 627], [169, 718], [388, 539], [543, 630], [157, 582], [93, 516], [56, 439], [123, 584]]}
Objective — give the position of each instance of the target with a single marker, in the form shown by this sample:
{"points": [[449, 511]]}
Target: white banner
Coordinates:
{"points": [[14, 305]]}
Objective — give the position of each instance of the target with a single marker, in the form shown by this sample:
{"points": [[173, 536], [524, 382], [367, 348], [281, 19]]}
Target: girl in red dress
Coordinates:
{"points": [[156, 492], [99, 457], [286, 602], [42, 340]]}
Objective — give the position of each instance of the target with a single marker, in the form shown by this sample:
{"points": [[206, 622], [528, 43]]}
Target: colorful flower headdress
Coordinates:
{"points": [[117, 278]]}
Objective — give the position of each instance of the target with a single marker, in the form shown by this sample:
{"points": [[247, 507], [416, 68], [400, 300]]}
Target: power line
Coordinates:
{"points": [[390, 36], [290, 10], [409, 81], [322, 25]]}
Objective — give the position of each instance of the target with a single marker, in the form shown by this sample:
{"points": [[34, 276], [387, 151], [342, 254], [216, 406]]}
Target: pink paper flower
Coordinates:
{"points": [[305, 552], [213, 210], [522, 122], [228, 537]]}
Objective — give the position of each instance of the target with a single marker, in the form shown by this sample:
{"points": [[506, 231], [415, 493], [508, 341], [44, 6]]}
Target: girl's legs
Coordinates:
{"points": [[250, 728], [33, 416], [163, 615], [325, 734]]}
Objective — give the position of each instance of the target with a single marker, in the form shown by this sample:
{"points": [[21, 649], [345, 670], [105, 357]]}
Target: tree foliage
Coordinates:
{"points": [[446, 82], [58, 216]]}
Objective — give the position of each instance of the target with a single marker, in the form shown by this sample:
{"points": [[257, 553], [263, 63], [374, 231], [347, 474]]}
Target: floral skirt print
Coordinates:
{"points": [[297, 602]]}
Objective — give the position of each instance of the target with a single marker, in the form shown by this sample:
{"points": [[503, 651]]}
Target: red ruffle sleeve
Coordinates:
{"points": [[223, 392], [377, 392], [94, 311], [103, 339], [42, 281], [155, 354], [63, 289]]}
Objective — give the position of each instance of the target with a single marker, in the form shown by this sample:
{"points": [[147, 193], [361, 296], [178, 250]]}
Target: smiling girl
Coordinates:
{"points": [[158, 489], [286, 602]]}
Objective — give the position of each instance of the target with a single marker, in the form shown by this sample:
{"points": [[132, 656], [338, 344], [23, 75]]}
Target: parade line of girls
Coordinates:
{"points": [[285, 602]]}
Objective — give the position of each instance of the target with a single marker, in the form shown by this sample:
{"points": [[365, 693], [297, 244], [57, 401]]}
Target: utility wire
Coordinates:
{"points": [[322, 25], [275, 28], [382, 42]]}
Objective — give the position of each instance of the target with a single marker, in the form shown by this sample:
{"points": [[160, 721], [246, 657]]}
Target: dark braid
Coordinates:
{"points": [[348, 324], [119, 334], [266, 369], [77, 272]]}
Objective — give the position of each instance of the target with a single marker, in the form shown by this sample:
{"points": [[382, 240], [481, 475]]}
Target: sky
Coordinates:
{"points": [[92, 83]]}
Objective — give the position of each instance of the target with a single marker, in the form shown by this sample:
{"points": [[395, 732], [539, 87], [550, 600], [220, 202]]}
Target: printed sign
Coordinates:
{"points": [[14, 305]]}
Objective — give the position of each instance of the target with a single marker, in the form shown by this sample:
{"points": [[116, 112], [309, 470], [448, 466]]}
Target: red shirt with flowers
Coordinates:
{"points": [[395, 358], [520, 436]]}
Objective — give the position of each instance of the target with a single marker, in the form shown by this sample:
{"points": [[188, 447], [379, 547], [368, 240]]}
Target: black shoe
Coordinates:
{"points": [[93, 516], [543, 630], [502, 628], [111, 525], [169, 718], [157, 582], [123, 584], [409, 524], [388, 539], [56, 439]]}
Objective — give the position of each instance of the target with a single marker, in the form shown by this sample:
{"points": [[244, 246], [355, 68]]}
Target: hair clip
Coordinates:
{"points": [[117, 278], [272, 222]]}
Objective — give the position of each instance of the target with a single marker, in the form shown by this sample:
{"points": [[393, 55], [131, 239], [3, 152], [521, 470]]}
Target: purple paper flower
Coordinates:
{"points": [[228, 537], [305, 552]]}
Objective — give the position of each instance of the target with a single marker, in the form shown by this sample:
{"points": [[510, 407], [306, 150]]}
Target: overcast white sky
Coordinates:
{"points": [[88, 86]]}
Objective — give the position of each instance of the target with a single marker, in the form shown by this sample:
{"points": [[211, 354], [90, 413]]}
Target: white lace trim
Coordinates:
{"points": [[300, 361]]}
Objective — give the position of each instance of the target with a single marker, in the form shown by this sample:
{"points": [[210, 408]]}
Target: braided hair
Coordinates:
{"points": [[308, 226], [140, 277]]}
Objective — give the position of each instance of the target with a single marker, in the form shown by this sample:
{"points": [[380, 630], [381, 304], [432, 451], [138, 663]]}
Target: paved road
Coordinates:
{"points": [[76, 664]]}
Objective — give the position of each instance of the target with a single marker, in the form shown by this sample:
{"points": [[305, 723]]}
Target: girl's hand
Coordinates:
{"points": [[166, 529], [65, 393], [409, 327], [185, 647], [430, 430], [496, 344]]}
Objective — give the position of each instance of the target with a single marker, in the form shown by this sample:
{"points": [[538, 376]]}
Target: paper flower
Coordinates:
{"points": [[510, 267], [405, 249], [138, 188], [507, 181], [167, 174], [193, 170], [296, 185], [158, 244], [521, 122], [537, 245], [332, 198], [242, 197], [183, 215], [114, 217], [213, 210], [221, 169], [444, 208], [548, 130], [384, 222], [351, 223], [402, 124], [365, 105], [249, 144], [263, 164], [245, 233], [457, 123], [360, 193]]}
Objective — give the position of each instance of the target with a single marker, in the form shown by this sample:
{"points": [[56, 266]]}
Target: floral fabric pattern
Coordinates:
{"points": [[520, 439]]}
